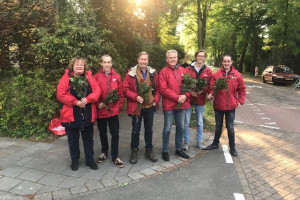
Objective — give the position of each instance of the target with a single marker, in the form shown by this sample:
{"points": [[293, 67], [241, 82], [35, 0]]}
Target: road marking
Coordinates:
{"points": [[238, 121], [227, 155], [265, 118], [238, 196], [260, 113], [256, 110], [272, 127], [271, 123], [260, 104], [250, 104], [289, 107]]}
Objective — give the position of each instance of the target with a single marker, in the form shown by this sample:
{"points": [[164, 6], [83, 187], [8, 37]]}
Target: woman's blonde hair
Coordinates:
{"points": [[72, 62]]}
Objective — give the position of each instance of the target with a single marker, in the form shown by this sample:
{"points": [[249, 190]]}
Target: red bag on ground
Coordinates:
{"points": [[56, 127]]}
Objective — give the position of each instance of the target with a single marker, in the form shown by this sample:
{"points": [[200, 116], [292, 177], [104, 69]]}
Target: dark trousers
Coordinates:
{"points": [[147, 114], [229, 118], [113, 123], [88, 143]]}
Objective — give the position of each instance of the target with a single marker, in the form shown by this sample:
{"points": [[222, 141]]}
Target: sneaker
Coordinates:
{"points": [[185, 146], [101, 158], [119, 163], [150, 156], [199, 145], [133, 157]]}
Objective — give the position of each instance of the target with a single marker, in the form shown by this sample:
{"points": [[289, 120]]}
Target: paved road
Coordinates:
{"points": [[268, 136]]}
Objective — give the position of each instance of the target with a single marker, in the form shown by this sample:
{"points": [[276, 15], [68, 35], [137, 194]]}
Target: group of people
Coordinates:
{"points": [[79, 112]]}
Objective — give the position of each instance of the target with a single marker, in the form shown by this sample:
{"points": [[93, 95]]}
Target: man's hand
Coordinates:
{"points": [[139, 99], [101, 105], [181, 99], [210, 97]]}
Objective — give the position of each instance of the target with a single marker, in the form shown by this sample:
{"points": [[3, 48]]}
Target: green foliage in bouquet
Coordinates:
{"points": [[112, 97]]}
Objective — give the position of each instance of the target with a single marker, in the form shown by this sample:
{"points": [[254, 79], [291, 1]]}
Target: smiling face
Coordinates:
{"points": [[143, 61], [106, 63], [200, 58], [172, 59], [227, 62], [78, 67]]}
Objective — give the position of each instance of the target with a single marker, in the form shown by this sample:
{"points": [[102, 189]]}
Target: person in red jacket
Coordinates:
{"points": [[79, 113], [108, 81], [133, 79], [226, 101], [197, 70], [170, 81]]}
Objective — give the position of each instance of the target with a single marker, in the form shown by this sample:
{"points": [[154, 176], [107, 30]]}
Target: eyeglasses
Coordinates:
{"points": [[201, 56]]}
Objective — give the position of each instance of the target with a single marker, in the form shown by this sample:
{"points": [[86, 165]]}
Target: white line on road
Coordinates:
{"points": [[227, 155], [240, 122], [260, 104], [260, 113], [271, 123], [265, 118], [272, 127], [293, 108], [238, 196]]}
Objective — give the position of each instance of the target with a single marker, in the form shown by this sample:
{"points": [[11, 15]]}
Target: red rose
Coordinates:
{"points": [[142, 79], [150, 84], [86, 73], [72, 74], [78, 73]]}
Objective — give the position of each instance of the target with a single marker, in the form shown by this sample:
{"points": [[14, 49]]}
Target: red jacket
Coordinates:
{"points": [[207, 75], [130, 88], [170, 81], [107, 84], [236, 93], [69, 101]]}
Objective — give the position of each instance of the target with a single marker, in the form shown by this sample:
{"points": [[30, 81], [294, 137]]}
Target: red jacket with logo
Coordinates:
{"points": [[170, 81], [69, 101], [130, 88], [206, 75], [107, 83], [236, 92]]}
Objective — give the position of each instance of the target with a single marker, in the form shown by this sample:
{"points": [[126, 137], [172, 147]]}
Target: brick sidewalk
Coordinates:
{"points": [[30, 170]]}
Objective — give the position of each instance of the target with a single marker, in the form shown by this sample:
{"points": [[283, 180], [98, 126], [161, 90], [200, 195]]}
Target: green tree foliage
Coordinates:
{"points": [[75, 34]]}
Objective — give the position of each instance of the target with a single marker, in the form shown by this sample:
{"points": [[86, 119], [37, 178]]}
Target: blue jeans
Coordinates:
{"points": [[229, 118], [179, 120], [199, 117], [147, 114]]}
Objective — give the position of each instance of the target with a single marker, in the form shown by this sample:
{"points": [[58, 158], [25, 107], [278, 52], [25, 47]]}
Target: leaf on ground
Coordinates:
{"points": [[123, 184]]}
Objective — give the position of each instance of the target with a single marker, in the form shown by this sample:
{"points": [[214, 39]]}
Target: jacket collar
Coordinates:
{"points": [[132, 71]]}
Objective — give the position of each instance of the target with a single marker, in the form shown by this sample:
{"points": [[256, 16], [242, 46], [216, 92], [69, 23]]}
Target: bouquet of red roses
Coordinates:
{"points": [[143, 91], [79, 83], [188, 83], [200, 84], [112, 97], [221, 83]]}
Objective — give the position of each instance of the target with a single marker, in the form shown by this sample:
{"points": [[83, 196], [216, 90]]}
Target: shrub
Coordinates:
{"points": [[27, 105]]}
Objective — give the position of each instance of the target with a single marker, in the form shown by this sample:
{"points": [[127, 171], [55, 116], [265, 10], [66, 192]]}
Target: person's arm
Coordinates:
{"points": [[241, 90], [127, 91], [165, 90], [63, 94]]}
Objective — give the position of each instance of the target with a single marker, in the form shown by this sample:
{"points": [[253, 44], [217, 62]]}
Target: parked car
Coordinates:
{"points": [[279, 74]]}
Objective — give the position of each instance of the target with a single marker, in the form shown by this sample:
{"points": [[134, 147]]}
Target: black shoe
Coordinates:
{"points": [[74, 165], [150, 156], [182, 154], [92, 165], [233, 152], [165, 156], [211, 147], [133, 157]]}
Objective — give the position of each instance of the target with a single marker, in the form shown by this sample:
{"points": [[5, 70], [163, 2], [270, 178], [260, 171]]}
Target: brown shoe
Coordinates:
{"points": [[150, 156]]}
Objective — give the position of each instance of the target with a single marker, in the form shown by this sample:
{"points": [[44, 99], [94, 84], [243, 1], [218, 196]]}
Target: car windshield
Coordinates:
{"points": [[282, 69]]}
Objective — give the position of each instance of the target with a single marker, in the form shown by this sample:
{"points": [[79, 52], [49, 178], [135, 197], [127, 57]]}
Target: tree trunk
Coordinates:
{"points": [[200, 46]]}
